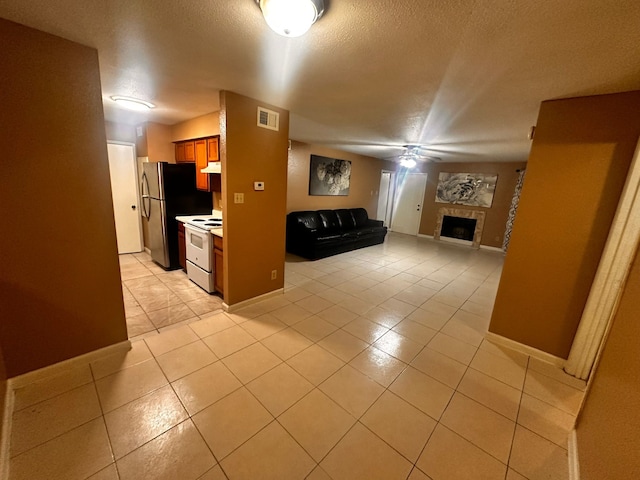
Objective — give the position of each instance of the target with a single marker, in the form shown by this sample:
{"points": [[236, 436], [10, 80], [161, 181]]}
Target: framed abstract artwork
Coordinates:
{"points": [[329, 176], [472, 189]]}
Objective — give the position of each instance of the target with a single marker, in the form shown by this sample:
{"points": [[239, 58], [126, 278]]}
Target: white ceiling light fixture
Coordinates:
{"points": [[409, 158], [291, 18], [408, 162], [132, 103]]}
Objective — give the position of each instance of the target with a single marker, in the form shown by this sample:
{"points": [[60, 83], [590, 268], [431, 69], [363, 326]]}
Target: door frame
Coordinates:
{"points": [[390, 196], [137, 187], [609, 282]]}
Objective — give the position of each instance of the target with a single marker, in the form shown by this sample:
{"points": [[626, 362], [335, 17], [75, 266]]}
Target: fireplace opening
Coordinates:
{"points": [[458, 227]]}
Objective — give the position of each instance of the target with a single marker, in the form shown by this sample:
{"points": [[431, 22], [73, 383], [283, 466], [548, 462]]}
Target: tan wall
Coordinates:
{"points": [[160, 148], [120, 132], [577, 167], [204, 126], [496, 215], [254, 231], [363, 191], [609, 426], [60, 291]]}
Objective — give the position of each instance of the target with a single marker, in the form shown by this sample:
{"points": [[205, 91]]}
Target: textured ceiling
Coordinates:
{"points": [[463, 78]]}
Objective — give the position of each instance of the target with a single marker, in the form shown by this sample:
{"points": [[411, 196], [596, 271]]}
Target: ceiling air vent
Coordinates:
{"points": [[268, 119]]}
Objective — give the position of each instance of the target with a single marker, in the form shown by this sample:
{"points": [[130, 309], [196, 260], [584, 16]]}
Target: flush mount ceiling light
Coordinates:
{"points": [[291, 18], [132, 103]]}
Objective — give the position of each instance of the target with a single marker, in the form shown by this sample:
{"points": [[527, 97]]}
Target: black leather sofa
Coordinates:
{"points": [[322, 233]]}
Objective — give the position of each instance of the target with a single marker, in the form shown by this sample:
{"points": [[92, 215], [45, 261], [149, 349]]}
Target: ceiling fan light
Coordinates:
{"points": [[408, 163], [291, 18], [132, 103]]}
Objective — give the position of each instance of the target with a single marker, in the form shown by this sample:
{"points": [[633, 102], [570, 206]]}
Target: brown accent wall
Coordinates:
{"points": [[363, 191], [577, 167], [496, 215], [60, 291], [254, 231], [204, 126], [609, 425], [120, 132]]}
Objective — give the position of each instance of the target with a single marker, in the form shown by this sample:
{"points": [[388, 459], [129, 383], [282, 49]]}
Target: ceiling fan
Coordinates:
{"points": [[414, 154]]}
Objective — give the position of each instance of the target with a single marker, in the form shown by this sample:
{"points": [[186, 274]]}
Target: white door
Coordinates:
{"points": [[385, 198], [407, 208], [124, 190]]}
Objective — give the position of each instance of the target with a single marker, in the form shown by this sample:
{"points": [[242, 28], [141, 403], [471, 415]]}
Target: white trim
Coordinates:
{"points": [[526, 349], [7, 423], [495, 249], [574, 460], [84, 359], [610, 278], [422, 235], [148, 250], [251, 301]]}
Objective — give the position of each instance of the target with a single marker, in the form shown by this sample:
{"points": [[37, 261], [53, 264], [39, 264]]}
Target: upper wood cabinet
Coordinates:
{"points": [[213, 149], [185, 152], [201, 151], [202, 179]]}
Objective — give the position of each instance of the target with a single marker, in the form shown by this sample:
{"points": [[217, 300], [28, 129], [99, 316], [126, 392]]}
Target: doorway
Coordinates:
{"points": [[385, 197], [124, 191], [407, 208]]}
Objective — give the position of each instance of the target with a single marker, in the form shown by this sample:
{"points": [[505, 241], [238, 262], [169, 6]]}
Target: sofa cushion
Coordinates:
{"points": [[360, 217], [329, 220], [346, 219], [308, 219]]}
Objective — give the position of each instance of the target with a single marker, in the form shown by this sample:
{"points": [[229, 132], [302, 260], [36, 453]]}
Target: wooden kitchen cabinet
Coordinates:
{"points": [[185, 152], [182, 246], [213, 149], [202, 179], [218, 277], [201, 151], [189, 151]]}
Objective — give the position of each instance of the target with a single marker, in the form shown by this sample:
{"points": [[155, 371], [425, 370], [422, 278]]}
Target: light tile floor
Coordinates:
{"points": [[372, 365]]}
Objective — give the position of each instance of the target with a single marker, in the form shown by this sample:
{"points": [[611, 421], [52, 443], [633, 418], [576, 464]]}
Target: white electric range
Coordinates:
{"points": [[199, 246]]}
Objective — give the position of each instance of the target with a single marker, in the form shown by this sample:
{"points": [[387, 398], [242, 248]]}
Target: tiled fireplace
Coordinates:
{"points": [[457, 225]]}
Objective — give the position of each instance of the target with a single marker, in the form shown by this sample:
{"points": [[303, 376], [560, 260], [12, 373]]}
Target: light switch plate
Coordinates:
{"points": [[258, 186], [238, 198]]}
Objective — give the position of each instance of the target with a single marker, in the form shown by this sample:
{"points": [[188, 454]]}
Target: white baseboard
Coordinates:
{"points": [[495, 249], [251, 301], [422, 235], [526, 349], [34, 376], [84, 359], [7, 421], [574, 460], [148, 250]]}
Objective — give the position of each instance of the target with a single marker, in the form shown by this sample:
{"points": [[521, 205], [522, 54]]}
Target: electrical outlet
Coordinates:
{"points": [[238, 198], [274, 274]]}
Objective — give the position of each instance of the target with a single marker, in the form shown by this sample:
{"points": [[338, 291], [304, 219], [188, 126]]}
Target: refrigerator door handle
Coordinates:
{"points": [[146, 199]]}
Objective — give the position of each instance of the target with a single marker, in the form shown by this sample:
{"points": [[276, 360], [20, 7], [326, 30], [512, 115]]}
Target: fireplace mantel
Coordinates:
{"points": [[462, 213]]}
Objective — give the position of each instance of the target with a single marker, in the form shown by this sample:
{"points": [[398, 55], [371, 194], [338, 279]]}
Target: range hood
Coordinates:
{"points": [[212, 167]]}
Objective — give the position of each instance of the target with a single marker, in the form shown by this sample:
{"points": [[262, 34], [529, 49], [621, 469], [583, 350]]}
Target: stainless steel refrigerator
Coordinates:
{"points": [[168, 190]]}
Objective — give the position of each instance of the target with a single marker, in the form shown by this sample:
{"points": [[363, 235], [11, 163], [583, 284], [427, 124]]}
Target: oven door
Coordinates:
{"points": [[198, 247]]}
